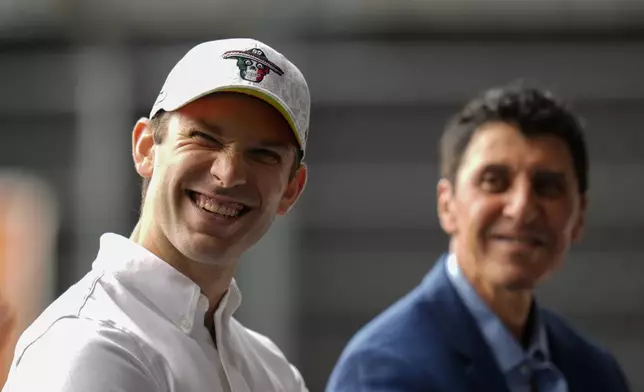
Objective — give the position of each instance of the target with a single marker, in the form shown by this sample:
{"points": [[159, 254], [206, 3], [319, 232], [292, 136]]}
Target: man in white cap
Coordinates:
{"points": [[220, 157]]}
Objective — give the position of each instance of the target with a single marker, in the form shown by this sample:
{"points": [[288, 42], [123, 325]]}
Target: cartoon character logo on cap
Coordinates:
{"points": [[253, 64]]}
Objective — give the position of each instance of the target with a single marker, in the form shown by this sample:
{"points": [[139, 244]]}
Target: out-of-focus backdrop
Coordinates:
{"points": [[384, 77]]}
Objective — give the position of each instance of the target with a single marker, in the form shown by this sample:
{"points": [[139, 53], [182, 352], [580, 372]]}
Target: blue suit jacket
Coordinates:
{"points": [[428, 341]]}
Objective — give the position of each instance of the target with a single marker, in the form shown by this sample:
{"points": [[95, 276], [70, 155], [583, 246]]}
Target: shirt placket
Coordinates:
{"points": [[222, 350]]}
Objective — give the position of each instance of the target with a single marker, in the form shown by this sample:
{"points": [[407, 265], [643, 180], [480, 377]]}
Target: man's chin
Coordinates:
{"points": [[515, 278], [525, 284]]}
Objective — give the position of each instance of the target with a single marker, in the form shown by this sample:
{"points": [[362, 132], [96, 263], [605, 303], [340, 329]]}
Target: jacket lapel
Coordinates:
{"points": [[462, 333], [566, 357]]}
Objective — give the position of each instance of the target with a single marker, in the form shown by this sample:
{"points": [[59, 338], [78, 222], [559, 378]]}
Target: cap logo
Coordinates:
{"points": [[253, 64], [162, 95]]}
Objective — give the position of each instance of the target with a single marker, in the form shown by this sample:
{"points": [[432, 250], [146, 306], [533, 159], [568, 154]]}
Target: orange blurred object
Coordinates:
{"points": [[28, 229]]}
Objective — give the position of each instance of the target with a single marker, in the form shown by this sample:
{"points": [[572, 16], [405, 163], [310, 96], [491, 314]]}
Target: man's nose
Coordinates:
{"points": [[523, 203], [229, 169]]}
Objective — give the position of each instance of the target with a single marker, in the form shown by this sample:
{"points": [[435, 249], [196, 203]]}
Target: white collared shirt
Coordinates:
{"points": [[135, 324]]}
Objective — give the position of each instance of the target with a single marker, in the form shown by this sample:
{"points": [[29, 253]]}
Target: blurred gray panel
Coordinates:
{"points": [[608, 284], [476, 15], [630, 355], [37, 141], [404, 195], [433, 239], [191, 17], [102, 152], [421, 72], [411, 133], [34, 83], [368, 283], [448, 72], [270, 267], [16, 16], [370, 195], [523, 15], [150, 67]]}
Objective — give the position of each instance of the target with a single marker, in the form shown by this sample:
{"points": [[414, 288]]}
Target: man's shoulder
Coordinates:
{"points": [[414, 318], [74, 354], [407, 330], [396, 350], [563, 332], [572, 349], [72, 334], [69, 324]]}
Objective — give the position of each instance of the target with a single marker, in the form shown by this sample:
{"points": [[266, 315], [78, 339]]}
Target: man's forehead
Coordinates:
{"points": [[512, 164], [504, 145]]}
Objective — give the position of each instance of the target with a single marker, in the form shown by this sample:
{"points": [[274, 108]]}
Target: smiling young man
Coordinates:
{"points": [[512, 198], [220, 157]]}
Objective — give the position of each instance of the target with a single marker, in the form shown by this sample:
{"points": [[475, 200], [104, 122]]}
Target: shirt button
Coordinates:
{"points": [[186, 325], [203, 302]]}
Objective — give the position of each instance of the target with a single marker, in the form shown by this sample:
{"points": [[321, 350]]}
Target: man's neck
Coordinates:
{"points": [[212, 279], [512, 307]]}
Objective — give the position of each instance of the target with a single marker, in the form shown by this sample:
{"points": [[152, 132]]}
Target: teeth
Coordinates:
{"points": [[210, 205]]}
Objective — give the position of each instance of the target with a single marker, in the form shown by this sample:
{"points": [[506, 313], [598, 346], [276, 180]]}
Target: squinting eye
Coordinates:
{"points": [[493, 183], [199, 135], [204, 138], [267, 156], [549, 188]]}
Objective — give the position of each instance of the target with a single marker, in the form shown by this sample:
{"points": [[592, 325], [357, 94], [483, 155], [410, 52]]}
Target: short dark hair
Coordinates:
{"points": [[159, 126], [533, 111]]}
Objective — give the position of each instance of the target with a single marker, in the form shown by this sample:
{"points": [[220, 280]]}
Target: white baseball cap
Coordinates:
{"points": [[240, 65]]}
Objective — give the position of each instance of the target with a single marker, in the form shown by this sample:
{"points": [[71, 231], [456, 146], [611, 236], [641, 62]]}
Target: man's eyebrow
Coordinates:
{"points": [[550, 174], [275, 144], [211, 128], [496, 167]]}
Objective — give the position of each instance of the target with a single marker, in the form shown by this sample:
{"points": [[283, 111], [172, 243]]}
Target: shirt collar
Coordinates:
{"points": [[173, 293], [506, 349]]}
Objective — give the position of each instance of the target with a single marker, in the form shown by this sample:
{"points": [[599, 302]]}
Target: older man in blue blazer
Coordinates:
{"points": [[512, 197]]}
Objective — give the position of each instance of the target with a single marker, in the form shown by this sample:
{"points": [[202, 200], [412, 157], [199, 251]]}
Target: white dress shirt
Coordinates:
{"points": [[135, 324]]}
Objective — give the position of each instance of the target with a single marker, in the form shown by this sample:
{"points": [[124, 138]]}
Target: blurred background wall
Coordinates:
{"points": [[384, 76]]}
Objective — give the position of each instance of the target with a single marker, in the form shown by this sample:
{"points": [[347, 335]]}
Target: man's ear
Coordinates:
{"points": [[580, 225], [293, 190], [143, 148], [445, 206]]}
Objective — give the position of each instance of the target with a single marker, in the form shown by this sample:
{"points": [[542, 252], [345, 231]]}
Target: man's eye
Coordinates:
{"points": [[197, 135], [550, 188], [267, 155], [493, 183]]}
